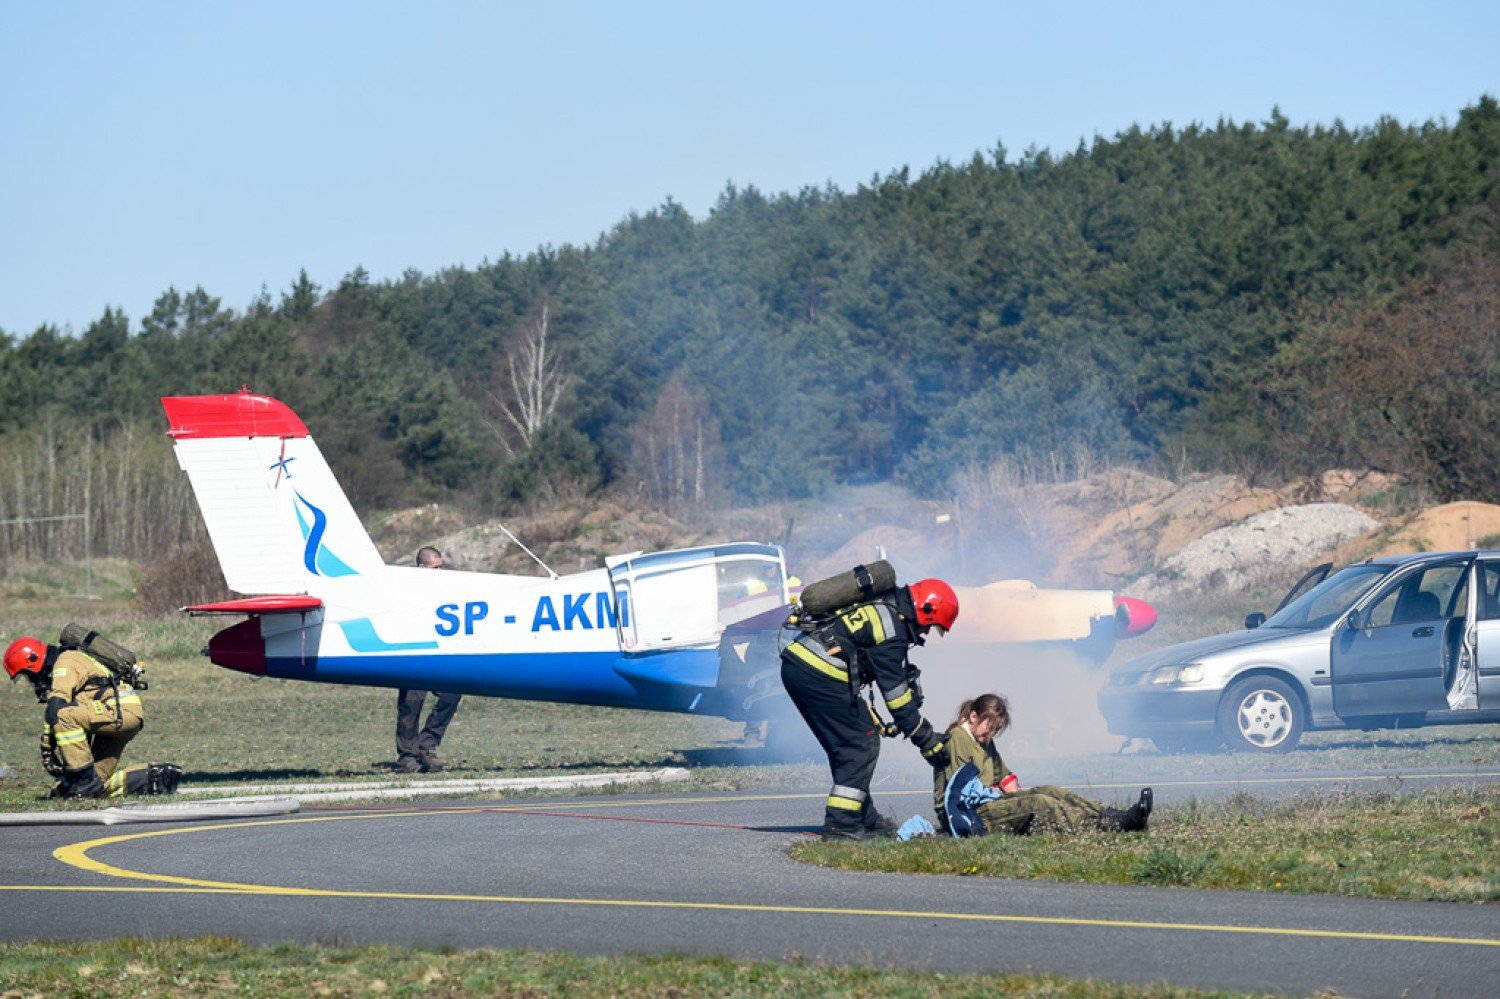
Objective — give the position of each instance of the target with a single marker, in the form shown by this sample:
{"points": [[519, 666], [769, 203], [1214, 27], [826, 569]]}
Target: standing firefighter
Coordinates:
{"points": [[860, 643], [91, 717]]}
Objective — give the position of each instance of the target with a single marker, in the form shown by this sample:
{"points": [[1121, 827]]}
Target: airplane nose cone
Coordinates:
{"points": [[1133, 617]]}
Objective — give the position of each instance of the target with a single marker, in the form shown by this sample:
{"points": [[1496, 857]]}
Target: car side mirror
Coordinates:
{"points": [[1254, 620], [1353, 620]]}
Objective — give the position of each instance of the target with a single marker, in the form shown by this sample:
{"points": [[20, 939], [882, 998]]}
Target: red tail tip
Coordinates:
{"points": [[240, 647], [1133, 617]]}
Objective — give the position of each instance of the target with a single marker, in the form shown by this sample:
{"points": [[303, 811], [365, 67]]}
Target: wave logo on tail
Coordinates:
{"points": [[318, 559]]}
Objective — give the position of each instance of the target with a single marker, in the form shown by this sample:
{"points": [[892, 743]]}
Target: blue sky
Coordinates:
{"points": [[152, 144]]}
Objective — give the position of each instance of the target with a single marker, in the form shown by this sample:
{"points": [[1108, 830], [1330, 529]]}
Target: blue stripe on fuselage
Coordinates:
{"points": [[575, 677]]}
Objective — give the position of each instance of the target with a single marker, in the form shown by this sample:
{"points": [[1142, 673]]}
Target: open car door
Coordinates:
{"points": [[1478, 642], [1314, 576], [1400, 650], [1487, 634]]}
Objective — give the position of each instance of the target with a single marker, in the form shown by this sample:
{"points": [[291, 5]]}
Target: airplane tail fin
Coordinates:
{"points": [[278, 519]]}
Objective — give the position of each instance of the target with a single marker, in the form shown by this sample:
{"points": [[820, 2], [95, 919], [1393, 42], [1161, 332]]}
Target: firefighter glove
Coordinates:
{"points": [[49, 756], [934, 747], [938, 755]]}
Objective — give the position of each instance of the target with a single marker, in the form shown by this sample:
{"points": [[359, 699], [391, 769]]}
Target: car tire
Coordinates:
{"points": [[1261, 714]]}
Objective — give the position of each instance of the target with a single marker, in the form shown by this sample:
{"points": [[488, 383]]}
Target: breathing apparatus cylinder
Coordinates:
{"points": [[114, 657], [858, 584]]}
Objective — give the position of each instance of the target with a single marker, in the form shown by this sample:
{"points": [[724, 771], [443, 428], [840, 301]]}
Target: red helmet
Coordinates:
{"points": [[936, 603], [25, 655]]}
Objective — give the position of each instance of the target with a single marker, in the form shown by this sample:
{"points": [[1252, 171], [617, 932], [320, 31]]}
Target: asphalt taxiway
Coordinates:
{"points": [[709, 874]]}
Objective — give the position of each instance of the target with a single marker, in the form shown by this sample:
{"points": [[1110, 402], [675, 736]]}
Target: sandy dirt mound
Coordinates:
{"points": [[1450, 527], [1151, 520], [1232, 557]]}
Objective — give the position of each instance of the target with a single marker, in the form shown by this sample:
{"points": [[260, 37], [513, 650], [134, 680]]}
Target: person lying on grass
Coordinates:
{"points": [[986, 797]]}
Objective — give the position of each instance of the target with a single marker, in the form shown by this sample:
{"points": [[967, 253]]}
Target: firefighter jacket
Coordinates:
{"points": [[868, 643], [79, 680]]}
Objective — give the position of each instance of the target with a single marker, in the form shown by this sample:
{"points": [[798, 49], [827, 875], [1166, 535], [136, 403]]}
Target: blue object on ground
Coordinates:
{"points": [[963, 821], [914, 827], [976, 794]]}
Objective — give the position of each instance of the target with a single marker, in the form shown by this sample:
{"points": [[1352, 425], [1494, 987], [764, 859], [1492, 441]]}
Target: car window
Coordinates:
{"points": [[1489, 591], [1324, 603], [1428, 595]]}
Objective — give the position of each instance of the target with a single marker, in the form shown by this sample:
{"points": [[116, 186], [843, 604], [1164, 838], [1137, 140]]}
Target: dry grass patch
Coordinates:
{"points": [[1438, 844]]}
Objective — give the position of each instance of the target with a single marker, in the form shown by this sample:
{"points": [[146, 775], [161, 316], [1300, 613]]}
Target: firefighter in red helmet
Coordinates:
{"points": [[90, 719], [825, 670]]}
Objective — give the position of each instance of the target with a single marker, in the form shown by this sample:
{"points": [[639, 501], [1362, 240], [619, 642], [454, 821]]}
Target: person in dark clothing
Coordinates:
{"points": [[826, 670], [416, 743]]}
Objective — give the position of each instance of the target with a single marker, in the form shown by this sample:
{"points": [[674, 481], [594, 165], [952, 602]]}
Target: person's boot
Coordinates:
{"points": [[408, 765], [1132, 819], [852, 830], [82, 783], [431, 764], [1110, 820], [880, 826], [1143, 806], [163, 778]]}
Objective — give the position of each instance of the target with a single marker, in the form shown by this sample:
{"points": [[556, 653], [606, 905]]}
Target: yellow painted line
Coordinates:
{"points": [[76, 855], [106, 889]]}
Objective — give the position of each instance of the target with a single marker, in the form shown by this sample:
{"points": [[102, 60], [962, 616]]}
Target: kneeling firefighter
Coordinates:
{"points": [[846, 645], [91, 716]]}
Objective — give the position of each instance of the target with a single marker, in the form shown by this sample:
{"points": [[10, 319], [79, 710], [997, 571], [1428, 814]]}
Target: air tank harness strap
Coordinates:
{"points": [[99, 683]]}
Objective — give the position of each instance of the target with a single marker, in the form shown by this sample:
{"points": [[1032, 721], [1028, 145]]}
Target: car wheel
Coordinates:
{"points": [[1261, 714], [1195, 743]]}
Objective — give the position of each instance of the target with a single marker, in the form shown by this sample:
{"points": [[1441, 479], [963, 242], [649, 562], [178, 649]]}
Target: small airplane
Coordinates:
{"points": [[692, 630]]}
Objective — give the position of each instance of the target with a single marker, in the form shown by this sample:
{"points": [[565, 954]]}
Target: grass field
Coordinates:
{"points": [[216, 966]]}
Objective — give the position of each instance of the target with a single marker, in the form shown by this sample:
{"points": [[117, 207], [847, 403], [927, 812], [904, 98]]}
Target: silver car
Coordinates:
{"points": [[1394, 642]]}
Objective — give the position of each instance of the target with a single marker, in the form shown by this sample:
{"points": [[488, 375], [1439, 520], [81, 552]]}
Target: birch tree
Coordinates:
{"points": [[534, 384]]}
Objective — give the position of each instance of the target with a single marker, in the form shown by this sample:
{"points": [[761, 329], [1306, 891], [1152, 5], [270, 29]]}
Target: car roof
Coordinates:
{"points": [[1426, 557]]}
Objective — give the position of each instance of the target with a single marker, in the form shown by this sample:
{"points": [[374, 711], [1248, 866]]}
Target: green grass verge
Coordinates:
{"points": [[1438, 844], [214, 966]]}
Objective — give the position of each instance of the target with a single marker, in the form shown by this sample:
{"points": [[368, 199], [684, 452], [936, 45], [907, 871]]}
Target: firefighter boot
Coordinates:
{"points": [[163, 778], [879, 825], [429, 762], [153, 778], [81, 783]]}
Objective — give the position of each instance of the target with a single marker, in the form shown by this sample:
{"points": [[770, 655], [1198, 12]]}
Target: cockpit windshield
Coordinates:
{"points": [[1322, 605]]}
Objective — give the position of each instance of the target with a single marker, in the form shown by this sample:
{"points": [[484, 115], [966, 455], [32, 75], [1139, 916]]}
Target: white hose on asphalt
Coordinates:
{"points": [[187, 811], [278, 801]]}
